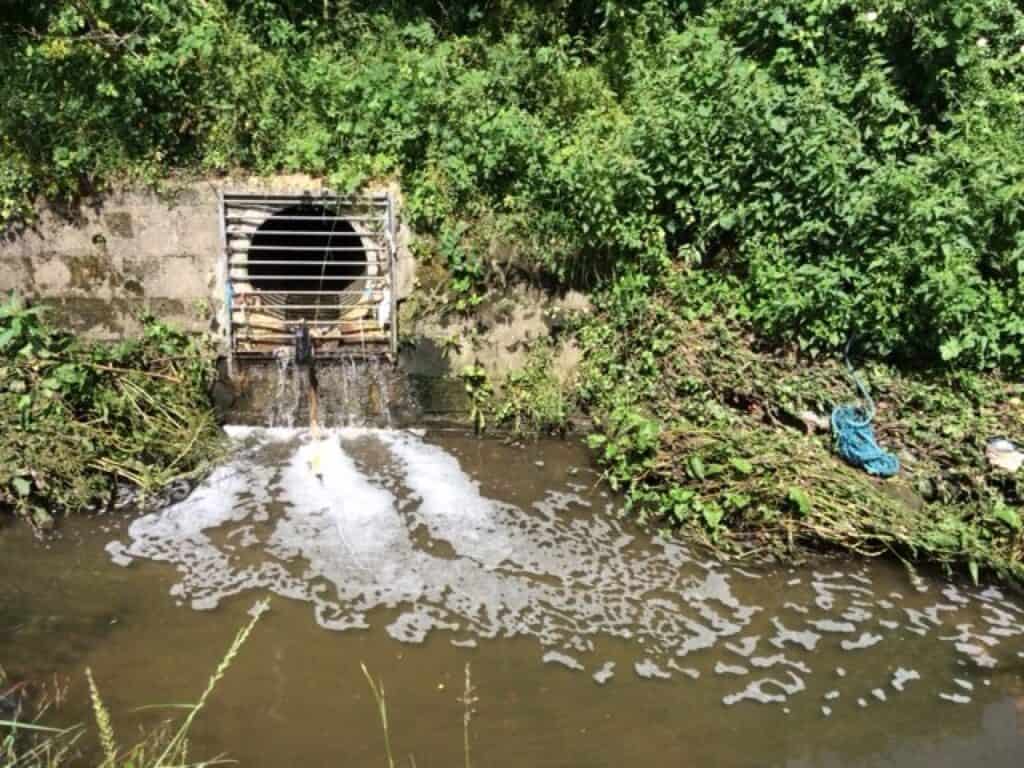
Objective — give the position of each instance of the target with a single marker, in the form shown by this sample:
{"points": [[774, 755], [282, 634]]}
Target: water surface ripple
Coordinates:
{"points": [[384, 523]]}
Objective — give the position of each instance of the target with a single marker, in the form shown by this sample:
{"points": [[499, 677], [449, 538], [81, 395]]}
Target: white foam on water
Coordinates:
{"points": [[241, 432], [745, 646], [605, 673], [367, 520], [768, 691], [316, 526], [830, 625], [555, 657], [721, 668], [784, 635], [955, 698], [451, 506], [690, 672], [648, 670], [902, 676], [767, 662], [866, 640]]}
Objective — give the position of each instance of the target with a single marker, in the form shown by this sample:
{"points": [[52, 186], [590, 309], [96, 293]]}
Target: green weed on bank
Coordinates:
{"points": [[77, 418], [706, 430]]}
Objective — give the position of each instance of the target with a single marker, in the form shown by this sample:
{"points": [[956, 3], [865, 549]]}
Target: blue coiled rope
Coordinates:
{"points": [[854, 435]]}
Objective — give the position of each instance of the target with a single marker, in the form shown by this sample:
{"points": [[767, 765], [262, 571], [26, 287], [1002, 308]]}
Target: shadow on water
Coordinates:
{"points": [[592, 643]]}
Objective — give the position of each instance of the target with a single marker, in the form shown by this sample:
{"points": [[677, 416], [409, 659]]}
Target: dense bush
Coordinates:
{"points": [[858, 166], [79, 418], [703, 430]]}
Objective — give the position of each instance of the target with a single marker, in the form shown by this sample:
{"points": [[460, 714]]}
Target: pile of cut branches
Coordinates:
{"points": [[79, 418], [731, 442]]}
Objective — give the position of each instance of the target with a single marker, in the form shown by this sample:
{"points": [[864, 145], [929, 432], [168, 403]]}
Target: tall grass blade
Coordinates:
{"points": [[469, 701], [382, 708], [176, 746], [15, 725], [103, 723]]}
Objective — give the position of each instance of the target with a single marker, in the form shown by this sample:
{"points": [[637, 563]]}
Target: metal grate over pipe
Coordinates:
{"points": [[314, 259]]}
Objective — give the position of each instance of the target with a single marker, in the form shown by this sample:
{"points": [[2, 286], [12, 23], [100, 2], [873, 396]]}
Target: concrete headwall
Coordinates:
{"points": [[101, 262]]}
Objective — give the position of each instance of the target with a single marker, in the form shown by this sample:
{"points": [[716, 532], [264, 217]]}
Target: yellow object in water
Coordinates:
{"points": [[315, 464]]}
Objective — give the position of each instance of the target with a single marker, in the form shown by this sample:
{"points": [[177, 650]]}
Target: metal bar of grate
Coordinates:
{"points": [[300, 233], [311, 199], [370, 349], [277, 217], [297, 323], [322, 305], [368, 335], [308, 297], [304, 248], [302, 263], [299, 278], [305, 293]]}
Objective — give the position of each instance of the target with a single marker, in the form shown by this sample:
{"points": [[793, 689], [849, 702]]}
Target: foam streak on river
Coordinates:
{"points": [[425, 542], [365, 519]]}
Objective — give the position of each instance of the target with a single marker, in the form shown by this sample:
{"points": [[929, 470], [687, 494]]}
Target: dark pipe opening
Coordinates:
{"points": [[300, 243], [303, 346]]}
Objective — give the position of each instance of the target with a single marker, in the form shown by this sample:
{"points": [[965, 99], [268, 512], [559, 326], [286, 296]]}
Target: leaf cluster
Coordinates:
{"points": [[855, 165], [79, 418]]}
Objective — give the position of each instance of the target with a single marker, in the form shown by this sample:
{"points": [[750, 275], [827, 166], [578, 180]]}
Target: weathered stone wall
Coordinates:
{"points": [[498, 337], [102, 261], [99, 263]]}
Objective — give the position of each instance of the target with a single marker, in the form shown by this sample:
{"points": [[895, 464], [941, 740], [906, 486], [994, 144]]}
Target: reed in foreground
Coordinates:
{"points": [[31, 745]]}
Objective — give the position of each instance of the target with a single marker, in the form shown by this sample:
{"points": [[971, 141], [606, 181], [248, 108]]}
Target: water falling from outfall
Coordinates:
{"points": [[342, 391]]}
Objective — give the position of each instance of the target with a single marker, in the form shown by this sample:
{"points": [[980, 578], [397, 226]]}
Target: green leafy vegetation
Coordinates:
{"points": [[533, 401], [744, 185], [702, 428], [78, 418], [857, 165], [479, 393]]}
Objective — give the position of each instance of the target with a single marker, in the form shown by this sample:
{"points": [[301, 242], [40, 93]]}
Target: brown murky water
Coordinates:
{"points": [[591, 643]]}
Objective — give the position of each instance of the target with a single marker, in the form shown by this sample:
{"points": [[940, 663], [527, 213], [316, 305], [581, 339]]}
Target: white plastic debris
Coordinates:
{"points": [[814, 422], [1004, 454]]}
